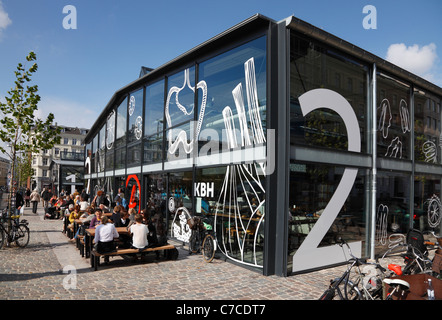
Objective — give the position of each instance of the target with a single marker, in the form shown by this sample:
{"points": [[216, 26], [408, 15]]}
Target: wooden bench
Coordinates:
{"points": [[171, 253]]}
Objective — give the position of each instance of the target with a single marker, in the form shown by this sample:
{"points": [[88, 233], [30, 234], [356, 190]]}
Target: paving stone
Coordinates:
{"points": [[36, 273]]}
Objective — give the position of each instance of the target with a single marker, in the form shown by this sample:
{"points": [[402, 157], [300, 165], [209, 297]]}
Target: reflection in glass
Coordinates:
{"points": [[392, 206], [427, 130], [311, 188], [121, 124], [120, 139], [225, 76], [313, 66], [153, 121], [427, 203], [394, 120]]}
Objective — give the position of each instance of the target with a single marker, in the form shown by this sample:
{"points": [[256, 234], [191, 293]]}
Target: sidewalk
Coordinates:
{"points": [[36, 272]]}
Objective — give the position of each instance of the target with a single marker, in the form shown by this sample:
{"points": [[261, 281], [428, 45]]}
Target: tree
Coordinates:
{"points": [[20, 129]]}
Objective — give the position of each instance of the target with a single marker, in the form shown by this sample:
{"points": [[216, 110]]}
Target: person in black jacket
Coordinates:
{"points": [[17, 201]]}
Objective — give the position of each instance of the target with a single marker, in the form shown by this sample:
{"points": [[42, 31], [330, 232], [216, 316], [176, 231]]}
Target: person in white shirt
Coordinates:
{"points": [[139, 233], [105, 233]]}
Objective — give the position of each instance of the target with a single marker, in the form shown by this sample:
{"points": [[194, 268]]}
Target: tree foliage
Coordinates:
{"points": [[20, 129]]}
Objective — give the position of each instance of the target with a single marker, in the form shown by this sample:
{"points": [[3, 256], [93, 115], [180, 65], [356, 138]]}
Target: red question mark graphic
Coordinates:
{"points": [[132, 203]]}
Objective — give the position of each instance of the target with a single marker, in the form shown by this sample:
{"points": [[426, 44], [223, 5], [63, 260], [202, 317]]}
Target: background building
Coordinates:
{"points": [[62, 167], [4, 169]]}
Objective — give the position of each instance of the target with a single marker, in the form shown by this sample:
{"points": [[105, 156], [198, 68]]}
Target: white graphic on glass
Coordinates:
{"points": [[138, 127], [384, 117], [182, 135], [429, 149], [405, 116], [242, 215], [382, 224], [395, 149], [110, 131], [131, 107], [309, 255], [434, 211]]}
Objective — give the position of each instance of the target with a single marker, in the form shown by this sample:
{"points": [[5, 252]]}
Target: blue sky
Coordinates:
{"points": [[79, 70]]}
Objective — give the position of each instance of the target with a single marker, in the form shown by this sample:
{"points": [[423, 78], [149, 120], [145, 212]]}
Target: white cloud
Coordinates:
{"points": [[5, 21], [418, 60], [67, 113]]}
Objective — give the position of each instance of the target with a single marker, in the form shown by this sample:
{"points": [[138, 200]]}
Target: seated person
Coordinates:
{"points": [[104, 236], [123, 221], [116, 215], [139, 232], [75, 214], [96, 220]]}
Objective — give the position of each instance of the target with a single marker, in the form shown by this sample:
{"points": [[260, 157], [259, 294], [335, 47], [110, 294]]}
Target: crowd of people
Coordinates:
{"points": [[146, 229]]}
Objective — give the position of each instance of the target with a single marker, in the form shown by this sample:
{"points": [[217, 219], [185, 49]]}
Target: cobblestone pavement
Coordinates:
{"points": [[36, 273]]}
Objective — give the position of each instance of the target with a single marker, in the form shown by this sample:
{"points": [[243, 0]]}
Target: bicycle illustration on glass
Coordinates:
{"points": [[18, 233]]}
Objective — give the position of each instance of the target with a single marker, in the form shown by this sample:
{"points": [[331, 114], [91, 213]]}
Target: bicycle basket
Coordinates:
{"points": [[437, 263]]}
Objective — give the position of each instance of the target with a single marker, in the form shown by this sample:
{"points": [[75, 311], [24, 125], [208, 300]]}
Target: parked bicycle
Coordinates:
{"points": [[361, 280], [18, 233], [202, 238], [415, 252]]}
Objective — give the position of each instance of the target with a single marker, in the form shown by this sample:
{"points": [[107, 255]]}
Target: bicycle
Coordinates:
{"points": [[416, 257], [18, 233], [357, 283], [202, 238]]}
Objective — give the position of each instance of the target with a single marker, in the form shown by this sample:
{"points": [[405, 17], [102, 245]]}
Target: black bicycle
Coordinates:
{"points": [[202, 238], [18, 233], [361, 280]]}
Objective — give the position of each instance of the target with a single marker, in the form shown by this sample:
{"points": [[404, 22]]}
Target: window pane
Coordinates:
{"points": [[180, 101], [121, 124], [231, 78], [427, 203], [154, 108], [153, 148], [392, 206], [311, 189], [135, 111], [394, 121], [313, 66], [427, 128]]}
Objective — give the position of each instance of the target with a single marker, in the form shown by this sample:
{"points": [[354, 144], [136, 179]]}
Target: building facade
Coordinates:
{"points": [[5, 166], [62, 167], [282, 135]]}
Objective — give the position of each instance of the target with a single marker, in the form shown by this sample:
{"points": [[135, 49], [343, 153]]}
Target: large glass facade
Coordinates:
{"points": [[191, 139]]}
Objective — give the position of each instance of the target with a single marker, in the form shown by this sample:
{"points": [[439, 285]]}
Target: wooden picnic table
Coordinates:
{"points": [[90, 234]]}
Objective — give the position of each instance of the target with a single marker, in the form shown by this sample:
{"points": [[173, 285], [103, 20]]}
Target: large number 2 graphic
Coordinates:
{"points": [[308, 255]]}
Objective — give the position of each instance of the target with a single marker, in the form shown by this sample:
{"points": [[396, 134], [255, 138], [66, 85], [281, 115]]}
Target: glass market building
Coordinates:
{"points": [[285, 136]]}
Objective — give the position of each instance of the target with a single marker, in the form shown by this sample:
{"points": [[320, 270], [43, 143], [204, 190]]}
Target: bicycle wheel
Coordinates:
{"points": [[194, 242], [22, 234], [2, 237], [208, 248], [346, 291]]}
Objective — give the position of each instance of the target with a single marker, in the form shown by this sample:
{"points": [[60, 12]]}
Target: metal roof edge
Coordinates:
{"points": [[253, 19]]}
